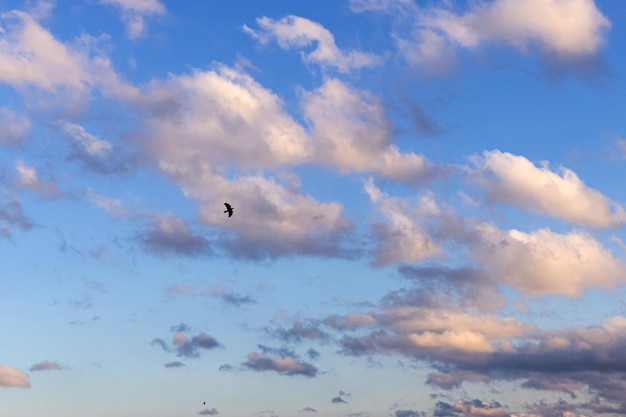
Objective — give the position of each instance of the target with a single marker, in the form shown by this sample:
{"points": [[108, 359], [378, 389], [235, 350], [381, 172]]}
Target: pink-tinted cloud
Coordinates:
{"points": [[12, 377]]}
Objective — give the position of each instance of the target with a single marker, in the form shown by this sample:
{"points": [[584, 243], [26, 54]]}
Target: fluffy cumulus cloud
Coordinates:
{"points": [[352, 133], [346, 130], [134, 13], [31, 56], [484, 348], [401, 237], [228, 103], [298, 32], [515, 180], [545, 262], [11, 377], [204, 107], [565, 29]]}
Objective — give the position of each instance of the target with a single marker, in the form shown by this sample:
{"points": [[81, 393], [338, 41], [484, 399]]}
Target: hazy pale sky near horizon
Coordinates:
{"points": [[429, 208]]}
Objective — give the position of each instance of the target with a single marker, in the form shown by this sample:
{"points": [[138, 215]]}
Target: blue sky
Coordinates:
{"points": [[428, 213]]}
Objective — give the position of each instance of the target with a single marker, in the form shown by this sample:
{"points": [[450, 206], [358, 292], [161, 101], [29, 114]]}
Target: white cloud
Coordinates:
{"points": [[515, 180], [11, 377], [221, 133], [465, 340], [299, 32], [566, 28], [31, 56], [213, 119], [451, 325], [134, 13], [87, 142], [14, 128], [350, 131], [206, 124], [544, 262], [401, 238]]}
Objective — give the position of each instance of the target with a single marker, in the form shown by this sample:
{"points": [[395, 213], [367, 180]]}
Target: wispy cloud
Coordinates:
{"points": [[14, 128], [134, 13], [231, 298], [299, 32]]}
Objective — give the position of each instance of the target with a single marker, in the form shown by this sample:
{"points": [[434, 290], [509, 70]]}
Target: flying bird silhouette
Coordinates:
{"points": [[229, 209]]}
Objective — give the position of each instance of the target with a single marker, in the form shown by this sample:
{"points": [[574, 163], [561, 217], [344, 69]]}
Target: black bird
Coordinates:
{"points": [[229, 209]]}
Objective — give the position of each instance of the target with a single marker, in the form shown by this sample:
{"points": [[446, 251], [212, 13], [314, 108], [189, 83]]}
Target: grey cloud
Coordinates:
{"points": [[85, 303], [287, 364], [469, 286], [338, 400], [208, 412], [161, 343], [189, 347], [170, 235], [237, 299], [409, 413], [186, 347], [299, 332], [174, 364], [423, 122], [14, 128], [230, 297], [312, 354], [309, 410], [97, 155], [326, 244], [45, 366], [182, 327], [449, 380], [12, 215], [553, 383], [472, 408], [351, 322], [282, 351], [226, 367]]}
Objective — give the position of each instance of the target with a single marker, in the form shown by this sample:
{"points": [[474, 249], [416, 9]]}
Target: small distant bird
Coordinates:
{"points": [[229, 209], [204, 403]]}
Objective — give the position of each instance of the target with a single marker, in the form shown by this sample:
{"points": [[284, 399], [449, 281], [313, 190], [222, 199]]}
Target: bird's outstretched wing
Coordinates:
{"points": [[229, 209]]}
